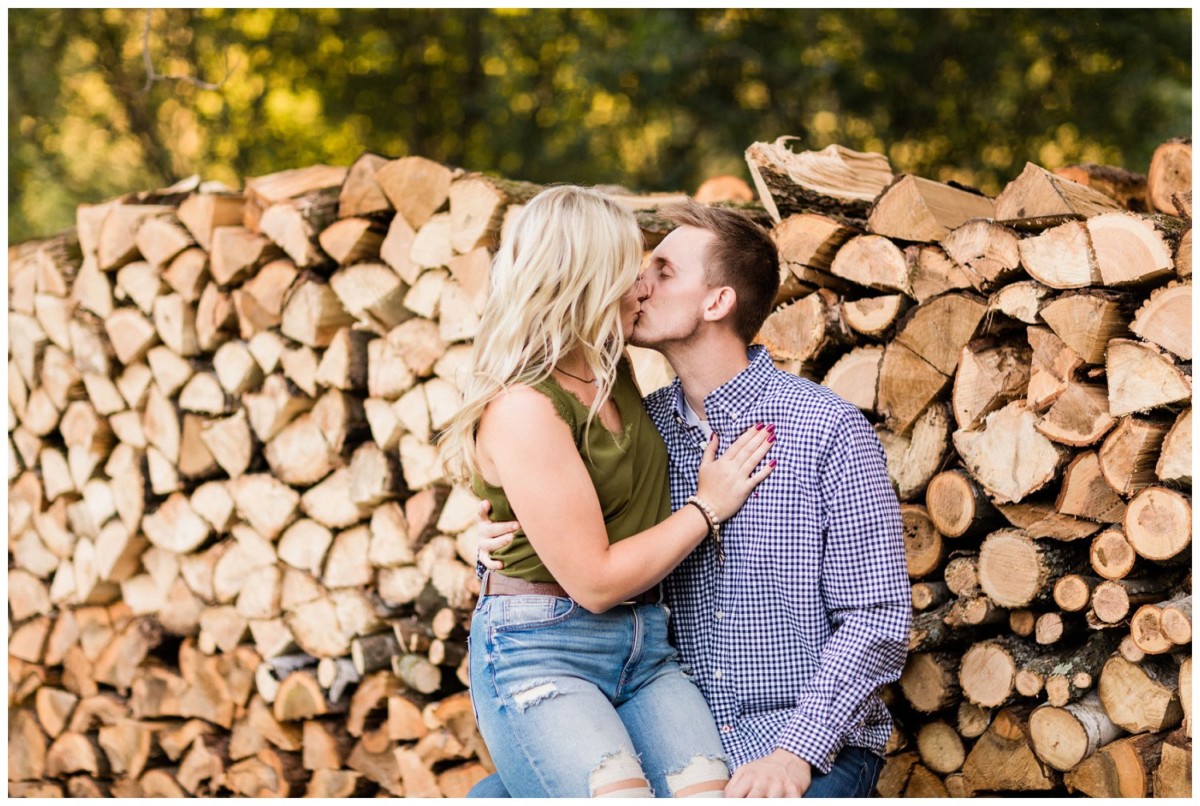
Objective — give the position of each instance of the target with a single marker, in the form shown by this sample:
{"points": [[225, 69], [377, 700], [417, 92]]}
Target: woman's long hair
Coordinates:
{"points": [[556, 285]]}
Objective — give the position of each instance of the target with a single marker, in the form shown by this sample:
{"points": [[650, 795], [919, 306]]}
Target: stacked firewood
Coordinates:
{"points": [[1028, 361], [236, 566]]}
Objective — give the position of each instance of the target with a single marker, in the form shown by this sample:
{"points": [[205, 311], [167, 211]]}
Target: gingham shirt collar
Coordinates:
{"points": [[737, 395]]}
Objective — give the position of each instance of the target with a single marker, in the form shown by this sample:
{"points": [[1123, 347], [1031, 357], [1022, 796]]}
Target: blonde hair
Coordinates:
{"points": [[556, 286]]}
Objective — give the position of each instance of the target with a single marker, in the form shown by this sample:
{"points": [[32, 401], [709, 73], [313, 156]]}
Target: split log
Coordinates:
{"points": [[894, 777], [989, 376], [477, 205], [1142, 377], [1130, 249], [1085, 494], [914, 458], [1022, 300], [264, 191], [803, 330], [237, 252], [1003, 759], [352, 240], [295, 224], [907, 386], [1038, 197], [215, 318], [1173, 775], [931, 272], [874, 262], [807, 244], [1053, 368], [1175, 458], [1119, 769], [187, 275], [987, 252], [1129, 453], [312, 314], [360, 194], [873, 316], [301, 697], [835, 181], [855, 375], [1165, 319], [139, 281], [1079, 417], [917, 209], [1009, 458], [1141, 697], [1061, 257], [1064, 736], [74, 752], [415, 187], [1158, 523], [201, 213]]}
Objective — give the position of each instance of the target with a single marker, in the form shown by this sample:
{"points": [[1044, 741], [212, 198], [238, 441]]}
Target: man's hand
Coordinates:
{"points": [[492, 536], [779, 775]]}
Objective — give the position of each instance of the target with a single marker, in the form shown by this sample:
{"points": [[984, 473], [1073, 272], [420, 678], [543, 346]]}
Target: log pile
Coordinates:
{"points": [[236, 566], [1027, 360]]}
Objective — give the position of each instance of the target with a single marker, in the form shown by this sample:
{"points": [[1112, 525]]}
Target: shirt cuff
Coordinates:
{"points": [[813, 742]]}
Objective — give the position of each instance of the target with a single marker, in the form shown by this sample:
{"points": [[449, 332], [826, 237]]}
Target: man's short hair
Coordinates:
{"points": [[742, 256]]}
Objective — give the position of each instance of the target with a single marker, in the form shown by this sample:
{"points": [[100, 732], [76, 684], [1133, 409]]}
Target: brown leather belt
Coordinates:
{"points": [[500, 585]]}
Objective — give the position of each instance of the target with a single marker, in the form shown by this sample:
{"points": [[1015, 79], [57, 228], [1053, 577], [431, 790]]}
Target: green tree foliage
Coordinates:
{"points": [[654, 100]]}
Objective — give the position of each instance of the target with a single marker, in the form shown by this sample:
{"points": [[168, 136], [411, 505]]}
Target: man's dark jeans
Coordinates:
{"points": [[854, 774]]}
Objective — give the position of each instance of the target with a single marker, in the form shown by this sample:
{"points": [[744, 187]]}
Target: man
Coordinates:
{"points": [[801, 611]]}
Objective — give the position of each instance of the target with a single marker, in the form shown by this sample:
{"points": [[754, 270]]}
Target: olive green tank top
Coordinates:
{"points": [[628, 470]]}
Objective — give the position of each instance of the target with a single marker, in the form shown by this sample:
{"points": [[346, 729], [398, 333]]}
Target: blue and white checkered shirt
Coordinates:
{"points": [[790, 636]]}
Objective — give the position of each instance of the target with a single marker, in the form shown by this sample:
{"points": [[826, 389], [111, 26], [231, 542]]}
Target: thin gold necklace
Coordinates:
{"points": [[594, 381]]}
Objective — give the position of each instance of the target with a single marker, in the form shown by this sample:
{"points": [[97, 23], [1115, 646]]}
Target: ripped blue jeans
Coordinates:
{"points": [[579, 704]]}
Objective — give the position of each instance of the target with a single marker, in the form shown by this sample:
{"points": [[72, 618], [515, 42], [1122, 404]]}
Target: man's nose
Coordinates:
{"points": [[642, 288]]}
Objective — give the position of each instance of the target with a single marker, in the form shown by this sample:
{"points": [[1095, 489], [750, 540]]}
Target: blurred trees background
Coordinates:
{"points": [[653, 100]]}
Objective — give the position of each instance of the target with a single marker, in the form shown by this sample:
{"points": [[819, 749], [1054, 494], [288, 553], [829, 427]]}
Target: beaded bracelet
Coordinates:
{"points": [[714, 523]]}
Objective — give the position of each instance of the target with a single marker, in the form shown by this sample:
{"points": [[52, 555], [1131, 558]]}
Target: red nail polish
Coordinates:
{"points": [[758, 427], [771, 463], [771, 438], [771, 428]]}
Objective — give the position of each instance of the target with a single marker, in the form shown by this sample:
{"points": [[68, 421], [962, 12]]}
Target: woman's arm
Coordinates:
{"points": [[534, 458]]}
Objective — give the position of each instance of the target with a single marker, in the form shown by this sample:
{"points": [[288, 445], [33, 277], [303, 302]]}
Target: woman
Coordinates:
{"points": [[575, 687]]}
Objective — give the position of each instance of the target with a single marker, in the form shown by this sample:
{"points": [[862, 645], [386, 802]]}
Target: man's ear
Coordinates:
{"points": [[720, 304]]}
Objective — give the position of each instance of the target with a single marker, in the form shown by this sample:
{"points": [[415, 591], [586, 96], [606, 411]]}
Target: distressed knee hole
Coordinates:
{"points": [[703, 777], [535, 693], [619, 776]]}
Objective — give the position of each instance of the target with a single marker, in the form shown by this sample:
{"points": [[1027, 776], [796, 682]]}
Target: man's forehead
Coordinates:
{"points": [[683, 244]]}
